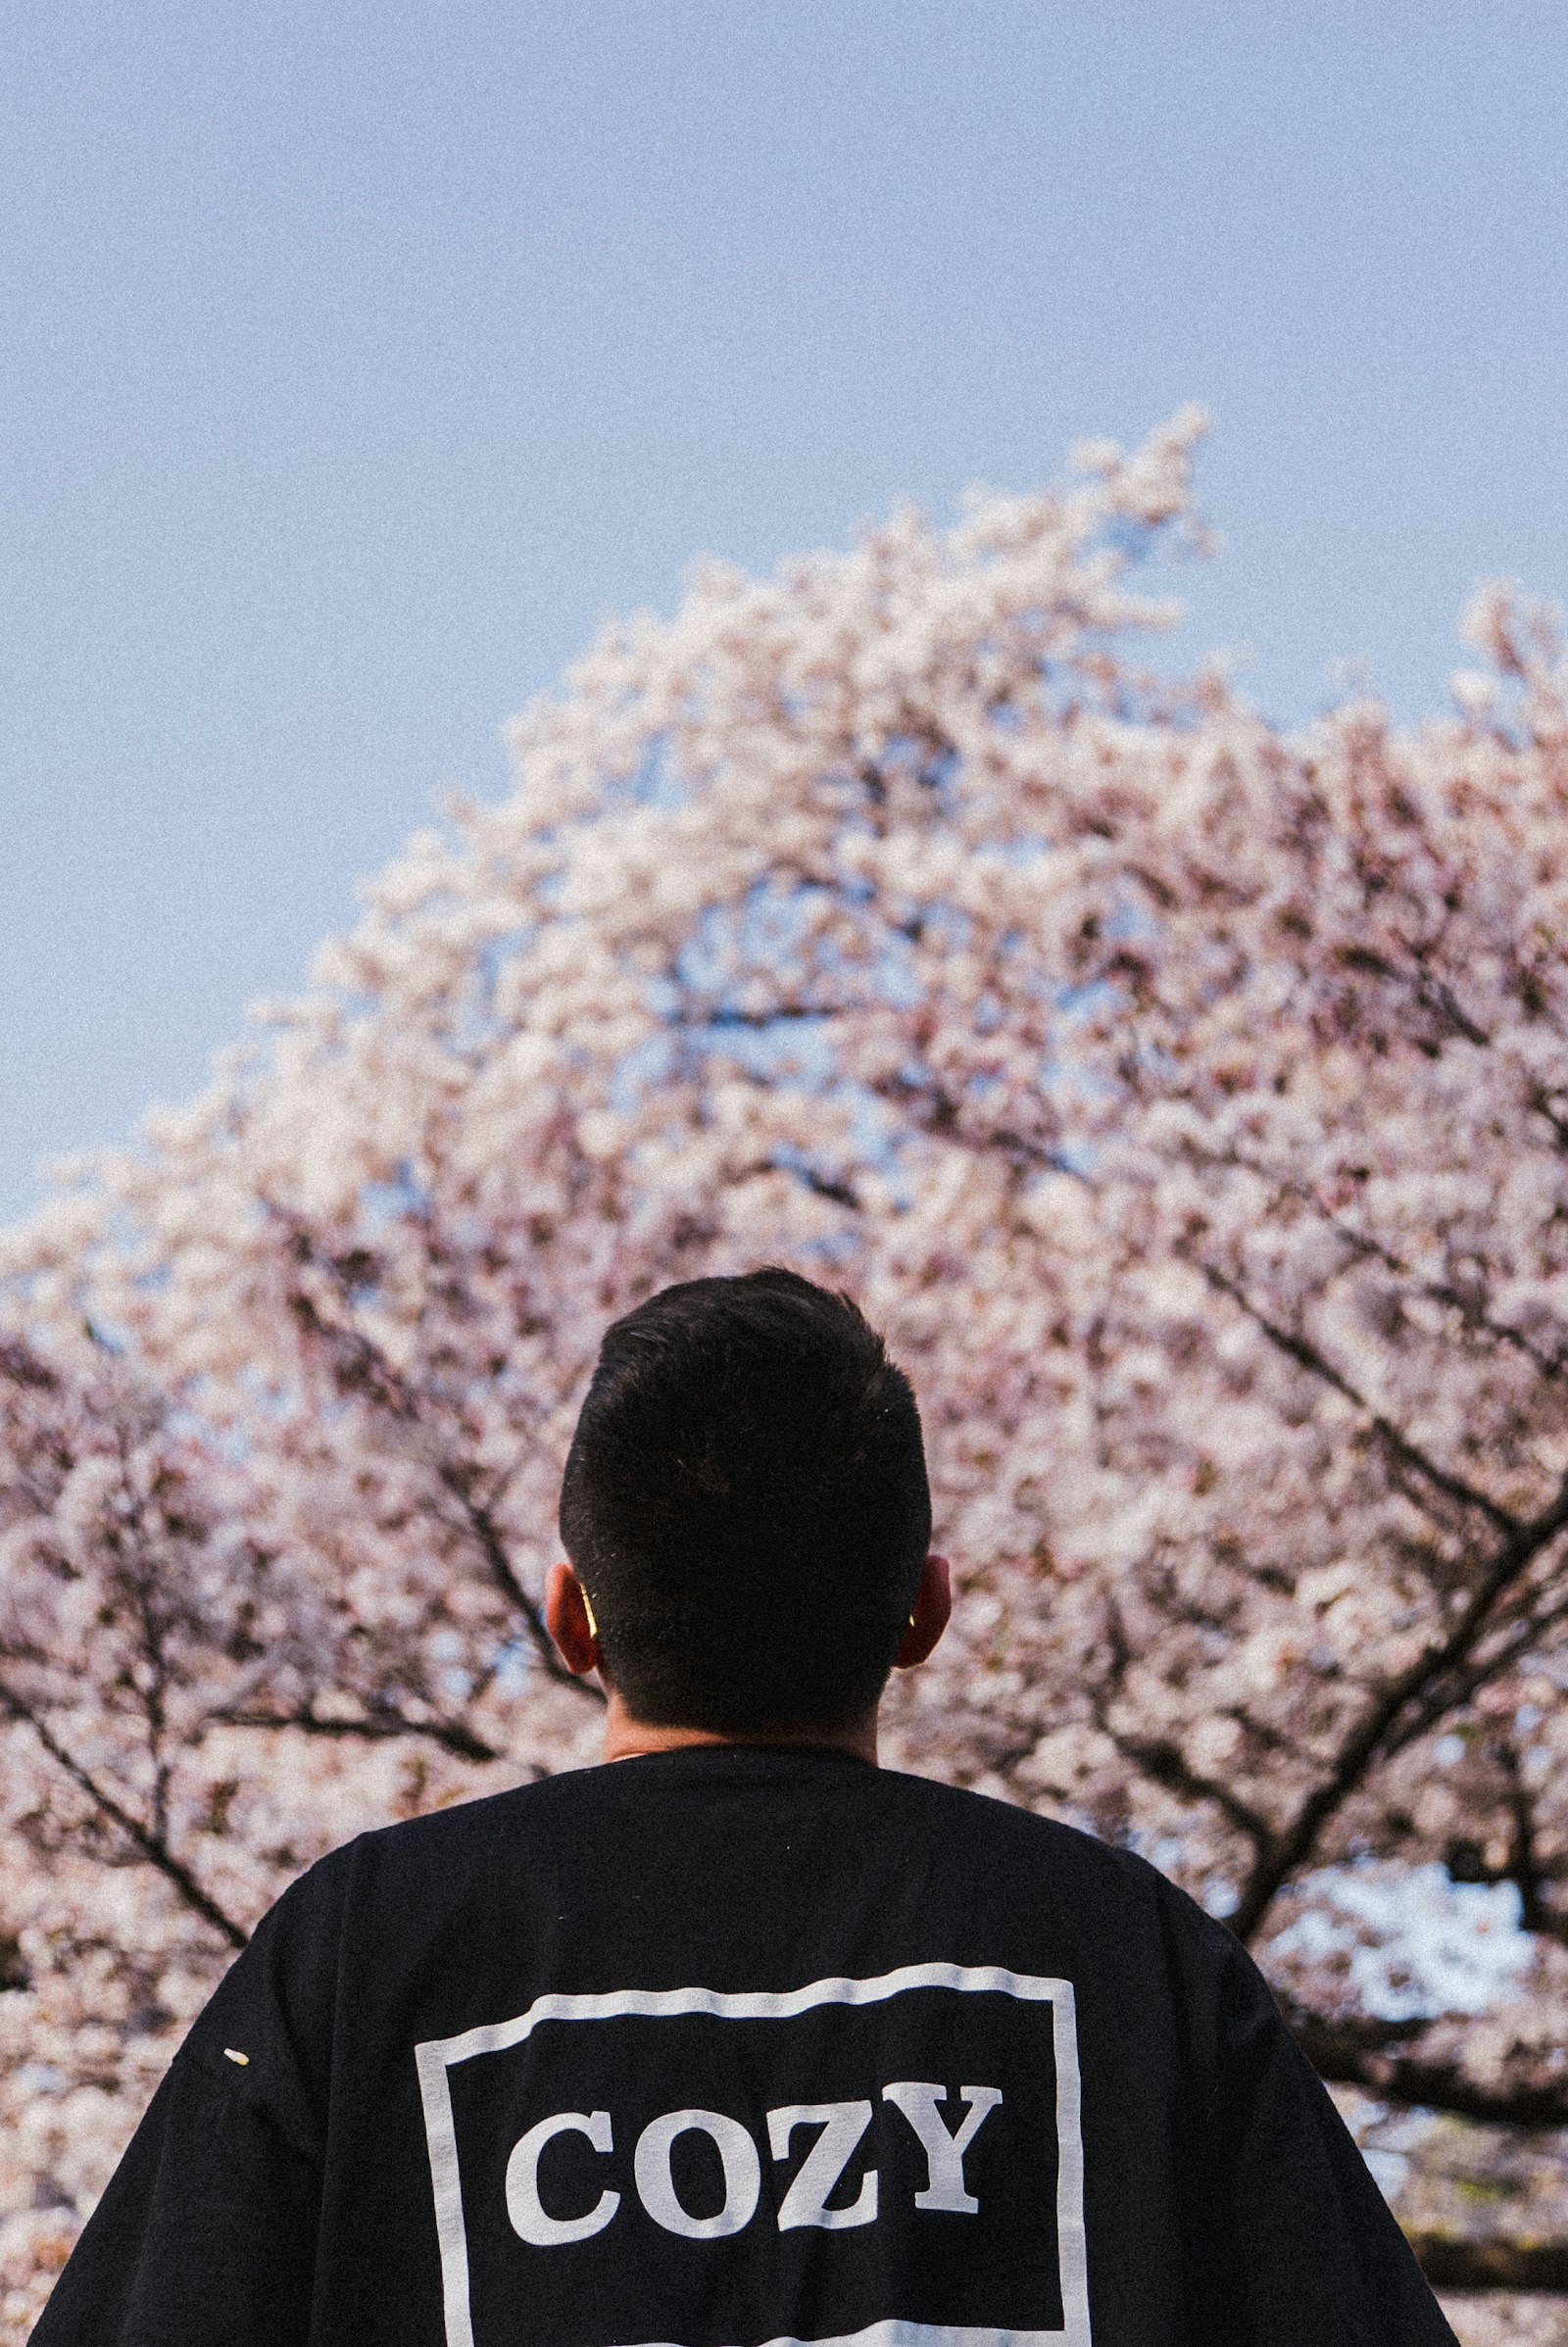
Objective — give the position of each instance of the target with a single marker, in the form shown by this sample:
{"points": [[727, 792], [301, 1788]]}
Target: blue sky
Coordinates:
{"points": [[355, 358]]}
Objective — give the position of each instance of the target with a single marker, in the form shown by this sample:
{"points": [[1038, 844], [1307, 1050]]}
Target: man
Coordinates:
{"points": [[741, 2041]]}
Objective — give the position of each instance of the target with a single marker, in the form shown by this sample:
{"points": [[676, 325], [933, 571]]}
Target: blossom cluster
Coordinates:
{"points": [[1187, 1102]]}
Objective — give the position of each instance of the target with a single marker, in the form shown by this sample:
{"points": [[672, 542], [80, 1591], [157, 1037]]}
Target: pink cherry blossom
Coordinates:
{"points": [[1186, 1100]]}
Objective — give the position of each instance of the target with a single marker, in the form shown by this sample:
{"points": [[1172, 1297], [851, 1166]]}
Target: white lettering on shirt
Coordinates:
{"points": [[918, 2099], [529, 2220], [806, 2202], [842, 2127], [655, 2185]]}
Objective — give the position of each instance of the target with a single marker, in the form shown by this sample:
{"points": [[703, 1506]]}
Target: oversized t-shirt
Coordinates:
{"points": [[730, 2047]]}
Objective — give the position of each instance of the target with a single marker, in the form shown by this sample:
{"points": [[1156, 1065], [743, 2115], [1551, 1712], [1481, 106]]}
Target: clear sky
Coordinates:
{"points": [[355, 355]]}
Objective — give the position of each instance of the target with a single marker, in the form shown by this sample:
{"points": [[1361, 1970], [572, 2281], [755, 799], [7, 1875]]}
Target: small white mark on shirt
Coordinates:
{"points": [[235, 2055]]}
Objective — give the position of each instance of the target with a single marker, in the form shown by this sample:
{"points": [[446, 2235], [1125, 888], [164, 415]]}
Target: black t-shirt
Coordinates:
{"points": [[739, 2048]]}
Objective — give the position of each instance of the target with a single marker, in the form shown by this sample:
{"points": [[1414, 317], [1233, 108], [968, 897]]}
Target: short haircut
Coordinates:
{"points": [[746, 1504]]}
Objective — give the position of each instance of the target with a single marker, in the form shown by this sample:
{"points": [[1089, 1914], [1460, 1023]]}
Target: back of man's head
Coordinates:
{"points": [[746, 1506]]}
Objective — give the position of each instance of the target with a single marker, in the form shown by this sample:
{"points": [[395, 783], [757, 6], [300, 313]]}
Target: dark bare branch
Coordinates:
{"points": [[1368, 1739], [1366, 1248], [1307, 1355], [1452, 2263], [151, 1846], [487, 1533], [1524, 1868], [1167, 1765], [1340, 2052], [382, 1728], [359, 1367]]}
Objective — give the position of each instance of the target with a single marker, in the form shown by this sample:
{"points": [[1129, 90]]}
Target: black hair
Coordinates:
{"points": [[746, 1504]]}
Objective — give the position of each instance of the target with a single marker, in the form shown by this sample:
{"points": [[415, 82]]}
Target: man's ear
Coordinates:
{"points": [[933, 1608], [570, 1622]]}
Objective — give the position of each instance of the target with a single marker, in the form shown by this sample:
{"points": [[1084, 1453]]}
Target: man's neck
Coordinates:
{"points": [[626, 1737]]}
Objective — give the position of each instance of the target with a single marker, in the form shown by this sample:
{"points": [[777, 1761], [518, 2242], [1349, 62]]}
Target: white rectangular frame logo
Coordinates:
{"points": [[437, 2056]]}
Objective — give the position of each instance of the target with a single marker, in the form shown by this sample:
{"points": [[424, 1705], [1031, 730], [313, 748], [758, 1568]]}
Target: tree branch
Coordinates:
{"points": [[1433, 994], [1523, 1867], [152, 1847], [820, 1184], [781, 1015], [1292, 1848], [1305, 1354], [359, 1367], [494, 1550], [1449, 2264], [1341, 2053], [383, 1726], [1472, 1313], [1525, 1632], [1167, 1765]]}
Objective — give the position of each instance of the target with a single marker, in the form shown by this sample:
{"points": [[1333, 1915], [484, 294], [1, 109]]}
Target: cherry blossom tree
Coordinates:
{"points": [[1186, 1100]]}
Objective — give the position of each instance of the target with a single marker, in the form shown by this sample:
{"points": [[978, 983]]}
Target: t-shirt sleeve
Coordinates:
{"points": [[1317, 2259], [205, 2234]]}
